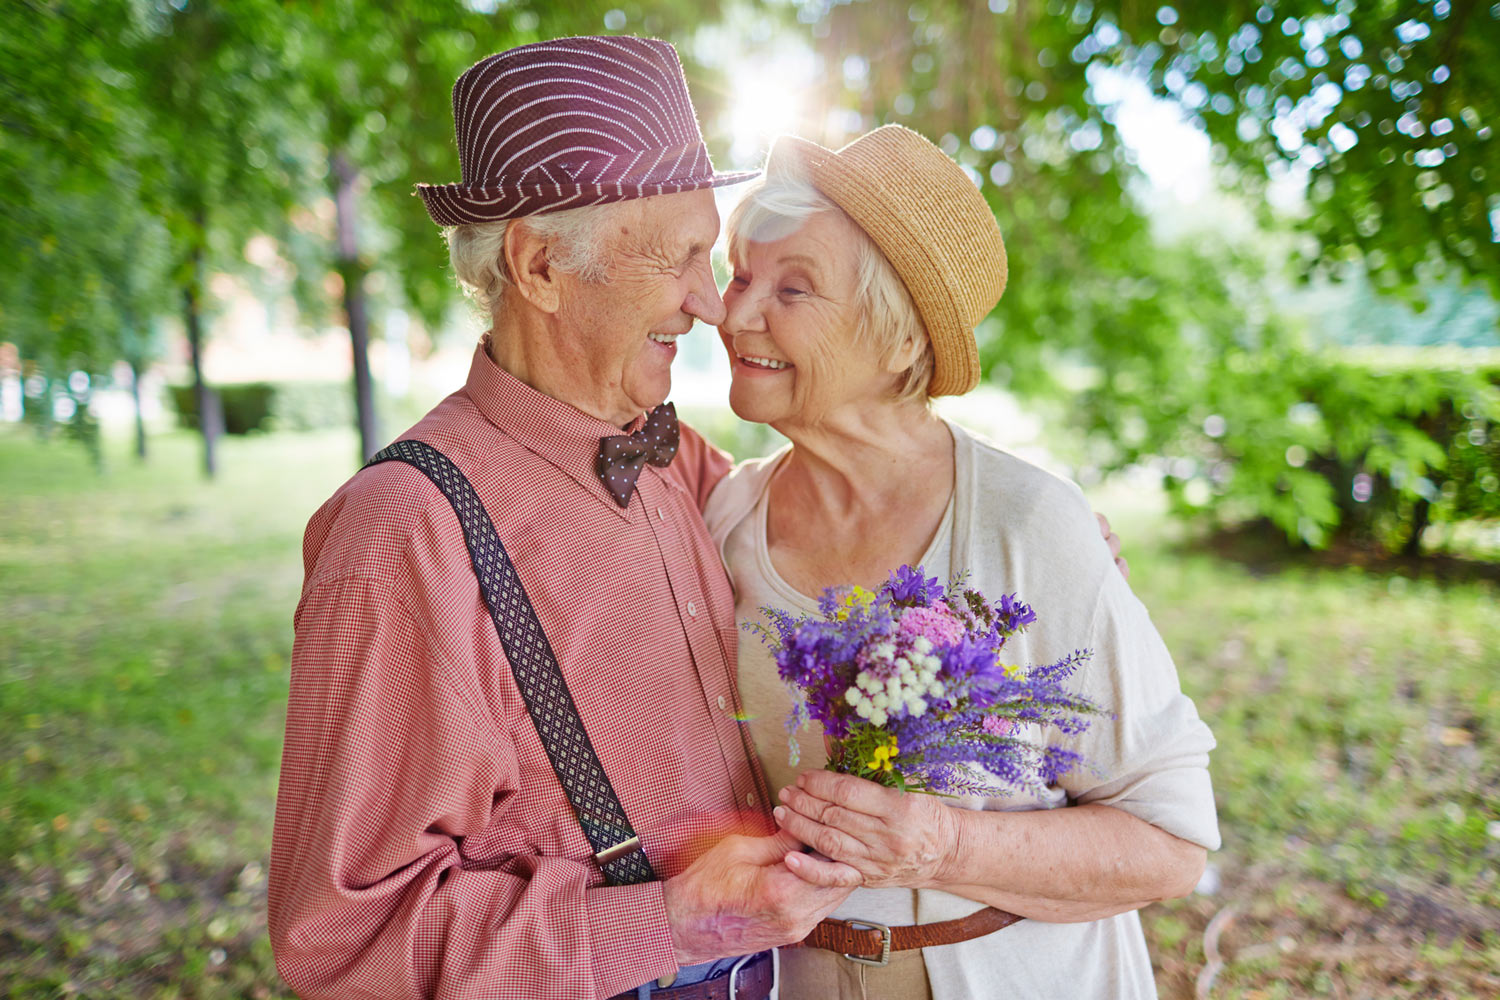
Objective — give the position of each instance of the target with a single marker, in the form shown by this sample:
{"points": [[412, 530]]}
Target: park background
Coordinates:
{"points": [[1254, 257]]}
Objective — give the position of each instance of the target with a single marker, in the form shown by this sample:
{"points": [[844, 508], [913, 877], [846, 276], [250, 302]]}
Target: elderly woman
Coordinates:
{"points": [[857, 279]]}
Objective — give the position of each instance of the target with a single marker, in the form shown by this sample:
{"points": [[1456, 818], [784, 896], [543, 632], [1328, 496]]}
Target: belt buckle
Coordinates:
{"points": [[856, 924], [734, 973]]}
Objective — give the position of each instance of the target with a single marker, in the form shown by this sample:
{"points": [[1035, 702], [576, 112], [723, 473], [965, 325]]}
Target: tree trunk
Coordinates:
{"points": [[209, 419], [352, 270], [140, 418], [1421, 517]]}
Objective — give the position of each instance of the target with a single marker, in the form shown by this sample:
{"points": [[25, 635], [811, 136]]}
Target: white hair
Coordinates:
{"points": [[574, 246], [776, 206]]}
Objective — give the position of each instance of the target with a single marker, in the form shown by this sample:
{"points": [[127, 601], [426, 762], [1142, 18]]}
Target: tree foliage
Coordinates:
{"points": [[1388, 108]]}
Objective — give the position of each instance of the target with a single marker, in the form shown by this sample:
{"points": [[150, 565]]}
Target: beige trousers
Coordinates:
{"points": [[816, 974]]}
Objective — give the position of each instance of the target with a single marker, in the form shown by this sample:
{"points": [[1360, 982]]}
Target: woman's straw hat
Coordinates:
{"points": [[932, 224]]}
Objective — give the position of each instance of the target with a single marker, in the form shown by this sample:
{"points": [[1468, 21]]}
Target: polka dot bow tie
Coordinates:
{"points": [[621, 456]]}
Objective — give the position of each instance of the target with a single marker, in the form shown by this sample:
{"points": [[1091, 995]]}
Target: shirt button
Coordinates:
{"points": [[722, 702], [692, 609], [749, 798]]}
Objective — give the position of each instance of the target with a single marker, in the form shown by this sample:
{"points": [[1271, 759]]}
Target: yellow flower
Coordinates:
{"points": [[880, 759], [858, 597]]}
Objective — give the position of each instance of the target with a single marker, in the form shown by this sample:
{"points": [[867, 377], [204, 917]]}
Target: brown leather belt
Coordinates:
{"points": [[752, 981], [871, 943]]}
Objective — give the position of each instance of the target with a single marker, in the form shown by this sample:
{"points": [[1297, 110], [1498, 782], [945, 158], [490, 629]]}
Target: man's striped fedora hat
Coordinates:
{"points": [[568, 123]]}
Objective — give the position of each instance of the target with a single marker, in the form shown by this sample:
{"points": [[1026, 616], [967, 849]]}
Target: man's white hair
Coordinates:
{"points": [[574, 246], [776, 206]]}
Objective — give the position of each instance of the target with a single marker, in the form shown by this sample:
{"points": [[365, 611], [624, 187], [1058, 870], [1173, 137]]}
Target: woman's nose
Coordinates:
{"points": [[741, 311]]}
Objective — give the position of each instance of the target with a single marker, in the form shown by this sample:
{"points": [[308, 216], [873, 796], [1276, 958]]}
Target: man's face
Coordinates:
{"points": [[659, 282]]}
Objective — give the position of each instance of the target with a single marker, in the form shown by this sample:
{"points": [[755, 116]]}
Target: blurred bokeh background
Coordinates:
{"points": [[1255, 261]]}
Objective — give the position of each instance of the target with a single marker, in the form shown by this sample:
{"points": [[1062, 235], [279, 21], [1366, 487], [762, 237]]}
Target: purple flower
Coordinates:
{"points": [[909, 587], [953, 710], [1011, 615]]}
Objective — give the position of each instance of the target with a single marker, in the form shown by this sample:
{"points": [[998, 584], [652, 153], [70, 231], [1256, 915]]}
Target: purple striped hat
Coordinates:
{"points": [[568, 123]]}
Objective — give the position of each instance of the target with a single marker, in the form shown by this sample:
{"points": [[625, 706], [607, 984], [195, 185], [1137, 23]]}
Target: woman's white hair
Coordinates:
{"points": [[776, 206], [574, 246]]}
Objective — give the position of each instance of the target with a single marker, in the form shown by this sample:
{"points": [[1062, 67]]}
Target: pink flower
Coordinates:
{"points": [[937, 625], [996, 726]]}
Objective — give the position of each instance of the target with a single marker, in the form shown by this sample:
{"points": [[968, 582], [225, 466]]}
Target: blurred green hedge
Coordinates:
{"points": [[1369, 446], [257, 406]]}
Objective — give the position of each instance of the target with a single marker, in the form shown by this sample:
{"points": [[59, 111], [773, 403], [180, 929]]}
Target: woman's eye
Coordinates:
{"points": [[792, 292], [739, 281]]}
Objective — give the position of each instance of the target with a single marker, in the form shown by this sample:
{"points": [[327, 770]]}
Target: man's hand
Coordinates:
{"points": [[751, 893], [1113, 541]]}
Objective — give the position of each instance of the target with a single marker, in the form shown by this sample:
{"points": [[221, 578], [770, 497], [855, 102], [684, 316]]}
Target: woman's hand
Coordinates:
{"points": [[892, 838]]}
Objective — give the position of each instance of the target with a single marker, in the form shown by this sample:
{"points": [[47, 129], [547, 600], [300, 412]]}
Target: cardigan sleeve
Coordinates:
{"points": [[1151, 758], [1149, 755]]}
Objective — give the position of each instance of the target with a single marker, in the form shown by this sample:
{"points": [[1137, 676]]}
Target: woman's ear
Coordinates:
{"points": [[906, 353], [530, 269]]}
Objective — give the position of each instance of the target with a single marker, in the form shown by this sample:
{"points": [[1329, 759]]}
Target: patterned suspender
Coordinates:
{"points": [[617, 849]]}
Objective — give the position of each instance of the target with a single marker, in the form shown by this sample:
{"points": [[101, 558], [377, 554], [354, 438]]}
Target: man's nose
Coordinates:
{"points": [[704, 301]]}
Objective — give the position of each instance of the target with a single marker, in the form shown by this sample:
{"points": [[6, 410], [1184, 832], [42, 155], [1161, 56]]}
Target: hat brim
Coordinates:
{"points": [[462, 204], [956, 368]]}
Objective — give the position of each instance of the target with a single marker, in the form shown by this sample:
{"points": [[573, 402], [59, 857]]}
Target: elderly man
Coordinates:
{"points": [[429, 839]]}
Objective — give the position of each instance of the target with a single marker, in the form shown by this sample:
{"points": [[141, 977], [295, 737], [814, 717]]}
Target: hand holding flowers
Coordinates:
{"points": [[890, 838]]}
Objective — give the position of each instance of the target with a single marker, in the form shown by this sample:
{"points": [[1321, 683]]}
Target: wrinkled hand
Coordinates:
{"points": [[747, 894], [891, 838], [1113, 541]]}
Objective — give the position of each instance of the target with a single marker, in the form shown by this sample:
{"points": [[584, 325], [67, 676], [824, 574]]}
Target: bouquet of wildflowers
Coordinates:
{"points": [[912, 687]]}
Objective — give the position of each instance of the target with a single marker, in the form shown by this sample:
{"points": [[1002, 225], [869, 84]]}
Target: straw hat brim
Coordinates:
{"points": [[954, 280]]}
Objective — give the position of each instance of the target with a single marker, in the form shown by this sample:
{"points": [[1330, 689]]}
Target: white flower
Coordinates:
{"points": [[864, 709], [916, 708], [881, 700], [854, 696], [922, 645], [878, 717], [935, 689]]}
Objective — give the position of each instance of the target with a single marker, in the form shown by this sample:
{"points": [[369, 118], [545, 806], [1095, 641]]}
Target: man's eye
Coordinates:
{"points": [[738, 280], [793, 292]]}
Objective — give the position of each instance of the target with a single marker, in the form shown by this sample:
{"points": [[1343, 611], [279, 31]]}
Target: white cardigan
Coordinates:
{"points": [[1017, 528]]}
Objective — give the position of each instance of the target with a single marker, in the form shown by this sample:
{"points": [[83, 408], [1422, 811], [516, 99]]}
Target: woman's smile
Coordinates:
{"points": [[755, 363]]}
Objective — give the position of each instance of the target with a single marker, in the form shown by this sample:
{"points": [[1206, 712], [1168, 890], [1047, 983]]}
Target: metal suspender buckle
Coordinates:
{"points": [[617, 852], [885, 942]]}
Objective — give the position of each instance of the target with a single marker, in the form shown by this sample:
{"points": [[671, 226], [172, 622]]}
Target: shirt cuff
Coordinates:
{"points": [[629, 936]]}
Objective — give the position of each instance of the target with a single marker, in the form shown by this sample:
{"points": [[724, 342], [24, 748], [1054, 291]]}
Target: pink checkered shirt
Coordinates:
{"points": [[423, 846]]}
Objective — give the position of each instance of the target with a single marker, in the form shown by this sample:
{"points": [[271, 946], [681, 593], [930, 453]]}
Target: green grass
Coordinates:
{"points": [[143, 656], [143, 652]]}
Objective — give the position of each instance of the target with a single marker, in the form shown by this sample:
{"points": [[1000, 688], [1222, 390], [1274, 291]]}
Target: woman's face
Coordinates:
{"points": [[790, 327]]}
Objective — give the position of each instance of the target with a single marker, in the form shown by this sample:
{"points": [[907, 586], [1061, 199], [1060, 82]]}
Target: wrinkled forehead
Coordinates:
{"points": [[683, 220]]}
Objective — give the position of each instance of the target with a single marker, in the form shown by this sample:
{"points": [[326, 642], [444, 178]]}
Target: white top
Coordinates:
{"points": [[1015, 528]]}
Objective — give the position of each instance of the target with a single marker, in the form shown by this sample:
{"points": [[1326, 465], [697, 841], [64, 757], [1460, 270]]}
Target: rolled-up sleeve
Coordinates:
{"points": [[390, 762]]}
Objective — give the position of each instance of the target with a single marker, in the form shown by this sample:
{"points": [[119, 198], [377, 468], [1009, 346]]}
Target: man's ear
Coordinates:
{"points": [[530, 269]]}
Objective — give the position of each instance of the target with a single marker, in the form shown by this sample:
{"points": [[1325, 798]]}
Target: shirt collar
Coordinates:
{"points": [[561, 434]]}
